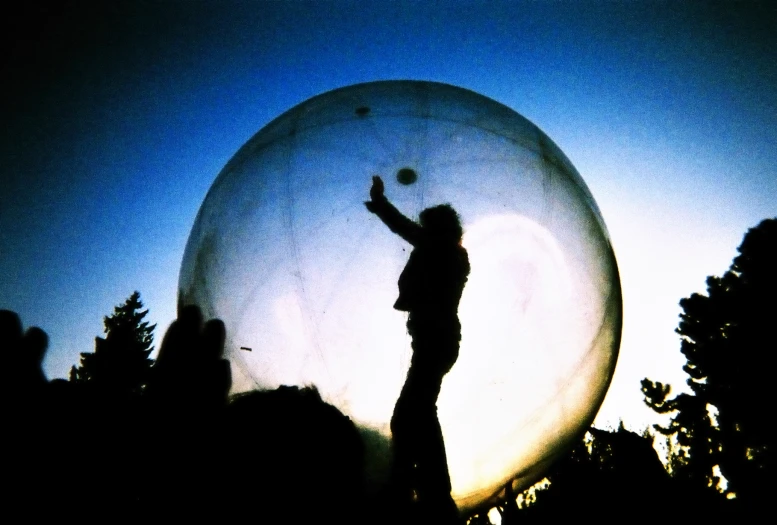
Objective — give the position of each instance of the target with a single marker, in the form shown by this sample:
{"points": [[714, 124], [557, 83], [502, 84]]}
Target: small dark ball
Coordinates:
{"points": [[407, 176]]}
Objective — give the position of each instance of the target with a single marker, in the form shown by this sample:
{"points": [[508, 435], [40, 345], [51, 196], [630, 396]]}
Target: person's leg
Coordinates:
{"points": [[433, 476], [416, 436], [433, 482], [420, 461], [403, 425], [417, 430]]}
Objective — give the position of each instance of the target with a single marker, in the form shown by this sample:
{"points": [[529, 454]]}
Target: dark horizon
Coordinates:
{"points": [[118, 119]]}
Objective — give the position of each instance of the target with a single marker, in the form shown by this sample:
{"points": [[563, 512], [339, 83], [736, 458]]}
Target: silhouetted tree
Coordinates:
{"points": [[728, 337], [604, 472], [120, 362]]}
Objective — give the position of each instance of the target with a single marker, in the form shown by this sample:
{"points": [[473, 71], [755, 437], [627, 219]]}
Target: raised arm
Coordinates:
{"points": [[391, 217]]}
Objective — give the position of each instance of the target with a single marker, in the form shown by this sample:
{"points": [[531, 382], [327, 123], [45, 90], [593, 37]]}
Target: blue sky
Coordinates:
{"points": [[117, 118]]}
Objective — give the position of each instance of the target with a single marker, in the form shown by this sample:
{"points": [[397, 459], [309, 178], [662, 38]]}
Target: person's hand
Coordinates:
{"points": [[376, 193]]}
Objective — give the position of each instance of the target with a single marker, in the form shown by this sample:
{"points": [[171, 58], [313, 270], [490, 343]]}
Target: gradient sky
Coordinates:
{"points": [[117, 117]]}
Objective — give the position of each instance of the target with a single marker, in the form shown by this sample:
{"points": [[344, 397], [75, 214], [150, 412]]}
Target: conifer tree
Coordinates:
{"points": [[120, 362]]}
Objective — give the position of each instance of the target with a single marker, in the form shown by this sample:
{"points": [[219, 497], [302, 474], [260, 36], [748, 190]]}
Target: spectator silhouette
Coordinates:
{"points": [[295, 458], [178, 450], [430, 288], [23, 354], [24, 421], [508, 510], [190, 371], [186, 395]]}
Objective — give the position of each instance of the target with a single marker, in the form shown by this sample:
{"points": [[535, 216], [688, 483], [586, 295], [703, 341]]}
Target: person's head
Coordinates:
{"points": [[36, 342], [443, 222]]}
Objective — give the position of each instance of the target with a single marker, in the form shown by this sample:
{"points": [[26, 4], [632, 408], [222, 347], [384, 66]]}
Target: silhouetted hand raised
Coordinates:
{"points": [[376, 193], [190, 367]]}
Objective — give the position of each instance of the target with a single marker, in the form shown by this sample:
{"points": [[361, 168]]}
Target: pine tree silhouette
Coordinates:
{"points": [[120, 362]]}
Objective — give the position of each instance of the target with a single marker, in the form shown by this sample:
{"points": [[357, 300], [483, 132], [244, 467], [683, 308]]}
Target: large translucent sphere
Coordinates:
{"points": [[285, 253]]}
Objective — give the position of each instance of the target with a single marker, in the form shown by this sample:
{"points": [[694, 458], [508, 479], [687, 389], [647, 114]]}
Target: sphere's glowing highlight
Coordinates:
{"points": [[285, 253]]}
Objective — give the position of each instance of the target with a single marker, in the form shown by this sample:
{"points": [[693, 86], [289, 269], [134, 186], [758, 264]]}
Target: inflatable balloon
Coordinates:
{"points": [[285, 253]]}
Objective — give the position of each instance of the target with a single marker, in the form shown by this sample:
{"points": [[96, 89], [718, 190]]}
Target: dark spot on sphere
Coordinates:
{"points": [[407, 176], [362, 111]]}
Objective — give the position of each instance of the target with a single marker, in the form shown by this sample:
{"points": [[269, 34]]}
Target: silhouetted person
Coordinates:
{"points": [[508, 510], [292, 458], [190, 371], [430, 288], [22, 355], [24, 389], [186, 396]]}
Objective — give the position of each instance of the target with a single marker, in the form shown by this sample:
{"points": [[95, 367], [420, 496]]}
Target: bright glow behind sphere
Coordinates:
{"points": [[285, 253]]}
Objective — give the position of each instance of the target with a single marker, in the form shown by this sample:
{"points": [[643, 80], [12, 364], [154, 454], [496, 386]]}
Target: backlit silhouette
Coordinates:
{"points": [[430, 288]]}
